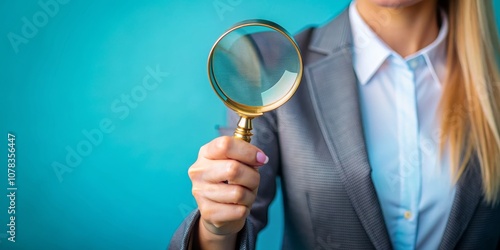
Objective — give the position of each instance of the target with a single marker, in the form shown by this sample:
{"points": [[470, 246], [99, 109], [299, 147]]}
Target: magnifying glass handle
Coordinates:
{"points": [[243, 129]]}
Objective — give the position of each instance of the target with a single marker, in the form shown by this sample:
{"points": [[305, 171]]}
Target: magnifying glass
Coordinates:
{"points": [[254, 67]]}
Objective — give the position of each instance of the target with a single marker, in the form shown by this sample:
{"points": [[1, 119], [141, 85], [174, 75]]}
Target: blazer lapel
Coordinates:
{"points": [[467, 198], [334, 95]]}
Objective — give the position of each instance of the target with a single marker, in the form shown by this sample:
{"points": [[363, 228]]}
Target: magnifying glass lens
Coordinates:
{"points": [[255, 65]]}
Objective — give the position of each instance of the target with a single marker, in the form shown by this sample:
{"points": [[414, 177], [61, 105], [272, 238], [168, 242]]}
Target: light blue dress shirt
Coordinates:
{"points": [[399, 100]]}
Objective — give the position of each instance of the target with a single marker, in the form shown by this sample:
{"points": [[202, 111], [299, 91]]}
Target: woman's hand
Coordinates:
{"points": [[225, 182]]}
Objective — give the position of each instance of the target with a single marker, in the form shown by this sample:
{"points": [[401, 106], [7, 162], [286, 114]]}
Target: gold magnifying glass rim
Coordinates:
{"points": [[247, 110]]}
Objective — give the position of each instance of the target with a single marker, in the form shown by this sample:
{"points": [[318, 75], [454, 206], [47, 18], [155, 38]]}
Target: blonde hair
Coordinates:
{"points": [[471, 98]]}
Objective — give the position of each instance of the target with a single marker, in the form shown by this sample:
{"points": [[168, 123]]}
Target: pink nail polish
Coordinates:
{"points": [[262, 158]]}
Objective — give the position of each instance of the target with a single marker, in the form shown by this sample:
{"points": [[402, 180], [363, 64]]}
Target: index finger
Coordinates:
{"points": [[226, 147]]}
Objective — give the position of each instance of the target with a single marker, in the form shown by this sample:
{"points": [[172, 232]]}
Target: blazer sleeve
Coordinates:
{"points": [[182, 237], [266, 138]]}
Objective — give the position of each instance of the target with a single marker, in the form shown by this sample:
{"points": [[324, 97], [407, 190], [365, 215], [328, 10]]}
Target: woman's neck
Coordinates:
{"points": [[405, 29]]}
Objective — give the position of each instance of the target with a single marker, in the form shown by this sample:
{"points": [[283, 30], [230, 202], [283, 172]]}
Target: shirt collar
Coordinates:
{"points": [[370, 52]]}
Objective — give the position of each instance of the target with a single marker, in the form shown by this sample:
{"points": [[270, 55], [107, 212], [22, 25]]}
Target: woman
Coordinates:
{"points": [[391, 141]]}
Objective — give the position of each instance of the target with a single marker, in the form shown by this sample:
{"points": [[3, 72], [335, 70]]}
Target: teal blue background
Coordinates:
{"points": [[132, 190]]}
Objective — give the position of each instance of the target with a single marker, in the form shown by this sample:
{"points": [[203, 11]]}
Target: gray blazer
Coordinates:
{"points": [[315, 144]]}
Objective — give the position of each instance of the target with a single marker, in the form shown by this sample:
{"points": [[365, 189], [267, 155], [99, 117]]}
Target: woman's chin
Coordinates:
{"points": [[395, 3]]}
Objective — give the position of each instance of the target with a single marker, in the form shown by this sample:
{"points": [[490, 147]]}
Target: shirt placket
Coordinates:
{"points": [[409, 154]]}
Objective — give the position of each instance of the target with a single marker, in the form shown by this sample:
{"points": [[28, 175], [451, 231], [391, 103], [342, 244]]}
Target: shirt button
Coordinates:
{"points": [[407, 215], [413, 63]]}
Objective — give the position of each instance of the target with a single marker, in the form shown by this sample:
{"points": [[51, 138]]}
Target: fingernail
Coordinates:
{"points": [[262, 158]]}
